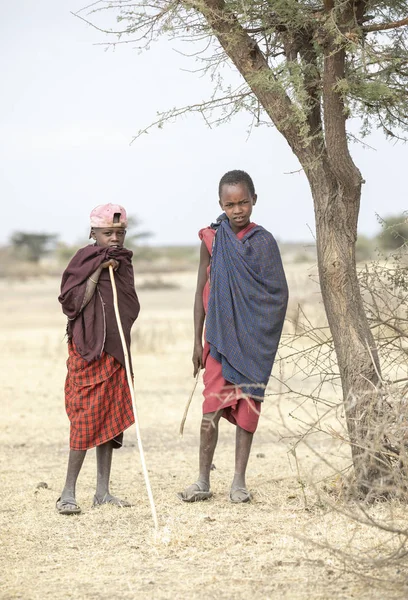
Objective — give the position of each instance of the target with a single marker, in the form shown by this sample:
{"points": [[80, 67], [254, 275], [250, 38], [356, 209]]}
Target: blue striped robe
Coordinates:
{"points": [[247, 305]]}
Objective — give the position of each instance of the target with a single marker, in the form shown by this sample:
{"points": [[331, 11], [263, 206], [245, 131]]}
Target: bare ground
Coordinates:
{"points": [[295, 540]]}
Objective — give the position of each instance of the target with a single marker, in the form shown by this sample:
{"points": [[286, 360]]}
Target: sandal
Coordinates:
{"points": [[194, 495], [67, 506], [108, 499], [239, 496]]}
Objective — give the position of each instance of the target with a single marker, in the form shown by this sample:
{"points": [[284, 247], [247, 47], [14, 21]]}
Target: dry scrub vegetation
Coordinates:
{"points": [[300, 537]]}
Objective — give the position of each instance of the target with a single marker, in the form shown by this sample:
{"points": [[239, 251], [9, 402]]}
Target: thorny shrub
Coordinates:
{"points": [[307, 354]]}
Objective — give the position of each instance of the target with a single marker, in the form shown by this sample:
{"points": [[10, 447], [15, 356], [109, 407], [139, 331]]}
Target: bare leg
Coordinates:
{"points": [[208, 442], [243, 443], [75, 462], [103, 470], [66, 504], [103, 466]]}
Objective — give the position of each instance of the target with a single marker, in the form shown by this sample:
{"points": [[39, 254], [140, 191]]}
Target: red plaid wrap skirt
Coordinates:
{"points": [[97, 400]]}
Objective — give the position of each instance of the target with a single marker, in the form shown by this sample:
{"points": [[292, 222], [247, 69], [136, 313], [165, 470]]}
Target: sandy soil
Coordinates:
{"points": [[295, 540]]}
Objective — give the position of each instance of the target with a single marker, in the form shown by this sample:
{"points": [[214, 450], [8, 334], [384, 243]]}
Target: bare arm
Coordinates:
{"points": [[199, 313], [93, 279]]}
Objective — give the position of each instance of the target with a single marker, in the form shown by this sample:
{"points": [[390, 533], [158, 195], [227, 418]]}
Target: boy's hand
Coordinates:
{"points": [[109, 262], [197, 357]]}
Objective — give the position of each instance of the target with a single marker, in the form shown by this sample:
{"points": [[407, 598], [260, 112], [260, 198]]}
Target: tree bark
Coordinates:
{"points": [[336, 211], [336, 189]]}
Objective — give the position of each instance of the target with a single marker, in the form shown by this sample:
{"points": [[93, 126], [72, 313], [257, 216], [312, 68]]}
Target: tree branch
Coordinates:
{"points": [[385, 26], [360, 8], [312, 84], [230, 100], [334, 112], [246, 55]]}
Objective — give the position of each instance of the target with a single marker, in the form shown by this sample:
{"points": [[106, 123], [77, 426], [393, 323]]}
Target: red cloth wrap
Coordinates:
{"points": [[97, 400], [219, 394], [97, 396]]}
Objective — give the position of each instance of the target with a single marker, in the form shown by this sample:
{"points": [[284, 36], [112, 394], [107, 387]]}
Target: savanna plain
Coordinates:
{"points": [[298, 538]]}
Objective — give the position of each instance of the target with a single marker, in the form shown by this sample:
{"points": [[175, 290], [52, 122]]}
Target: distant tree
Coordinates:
{"points": [[33, 246], [133, 236], [395, 232]]}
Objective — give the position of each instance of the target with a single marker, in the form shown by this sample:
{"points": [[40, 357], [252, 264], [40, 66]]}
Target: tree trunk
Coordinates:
{"points": [[336, 211], [336, 189]]}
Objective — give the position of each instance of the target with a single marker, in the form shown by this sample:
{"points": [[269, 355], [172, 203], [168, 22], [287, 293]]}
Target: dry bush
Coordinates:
{"points": [[307, 377], [12, 267]]}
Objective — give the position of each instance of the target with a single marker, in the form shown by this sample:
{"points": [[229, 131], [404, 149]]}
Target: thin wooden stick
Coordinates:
{"points": [[132, 394], [188, 403]]}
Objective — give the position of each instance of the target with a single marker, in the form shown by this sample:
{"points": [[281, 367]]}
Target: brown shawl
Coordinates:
{"points": [[94, 329]]}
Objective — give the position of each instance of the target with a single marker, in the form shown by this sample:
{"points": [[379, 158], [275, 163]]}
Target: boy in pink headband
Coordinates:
{"points": [[97, 397]]}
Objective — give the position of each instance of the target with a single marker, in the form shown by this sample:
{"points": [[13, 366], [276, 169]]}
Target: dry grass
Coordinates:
{"points": [[296, 540]]}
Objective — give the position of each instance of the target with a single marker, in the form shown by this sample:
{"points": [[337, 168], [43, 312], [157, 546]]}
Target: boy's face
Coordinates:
{"points": [[237, 202], [109, 237]]}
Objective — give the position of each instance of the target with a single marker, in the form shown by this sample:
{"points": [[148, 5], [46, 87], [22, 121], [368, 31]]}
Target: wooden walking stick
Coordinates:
{"points": [[132, 394], [183, 420]]}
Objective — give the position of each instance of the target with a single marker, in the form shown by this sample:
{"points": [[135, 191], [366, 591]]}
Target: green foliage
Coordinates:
{"points": [[292, 36], [395, 232], [32, 246]]}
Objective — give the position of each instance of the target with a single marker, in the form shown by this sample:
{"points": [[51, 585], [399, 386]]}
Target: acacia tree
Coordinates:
{"points": [[308, 65], [33, 246]]}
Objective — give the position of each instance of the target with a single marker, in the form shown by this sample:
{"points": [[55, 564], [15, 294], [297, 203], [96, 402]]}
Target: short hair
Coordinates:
{"points": [[234, 177]]}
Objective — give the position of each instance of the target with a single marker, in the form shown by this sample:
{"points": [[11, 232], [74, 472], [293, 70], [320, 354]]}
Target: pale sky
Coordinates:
{"points": [[69, 109]]}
